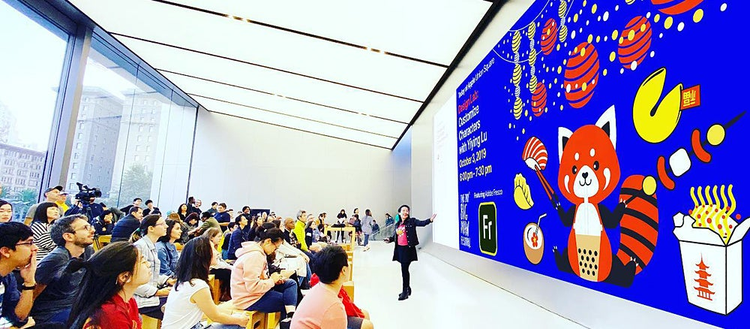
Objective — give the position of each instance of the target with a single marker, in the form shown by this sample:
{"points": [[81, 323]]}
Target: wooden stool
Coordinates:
{"points": [[257, 319], [150, 323], [215, 288]]}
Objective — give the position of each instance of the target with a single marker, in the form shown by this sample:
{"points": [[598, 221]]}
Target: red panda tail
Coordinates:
{"points": [[639, 227]]}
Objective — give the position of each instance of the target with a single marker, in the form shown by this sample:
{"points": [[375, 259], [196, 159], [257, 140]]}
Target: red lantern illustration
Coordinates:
{"points": [[549, 36], [539, 99], [675, 7], [635, 41], [581, 75]]}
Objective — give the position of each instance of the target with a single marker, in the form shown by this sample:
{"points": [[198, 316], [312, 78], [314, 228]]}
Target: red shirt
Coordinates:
{"points": [[116, 314]]}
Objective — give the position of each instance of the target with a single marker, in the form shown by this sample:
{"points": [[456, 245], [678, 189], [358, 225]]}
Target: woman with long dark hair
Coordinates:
{"points": [[166, 249], [221, 270], [46, 213], [152, 295], [404, 250], [105, 299], [190, 297], [182, 211]]}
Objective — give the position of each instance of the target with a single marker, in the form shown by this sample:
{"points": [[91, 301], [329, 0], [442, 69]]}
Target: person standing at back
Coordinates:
{"points": [[367, 228]]}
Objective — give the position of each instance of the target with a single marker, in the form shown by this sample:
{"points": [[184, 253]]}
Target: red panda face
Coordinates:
{"points": [[589, 168]]}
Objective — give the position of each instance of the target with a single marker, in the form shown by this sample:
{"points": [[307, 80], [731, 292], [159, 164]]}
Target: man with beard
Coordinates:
{"points": [[56, 288], [17, 250]]}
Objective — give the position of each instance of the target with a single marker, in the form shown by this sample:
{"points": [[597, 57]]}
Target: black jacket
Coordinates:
{"points": [[411, 231]]}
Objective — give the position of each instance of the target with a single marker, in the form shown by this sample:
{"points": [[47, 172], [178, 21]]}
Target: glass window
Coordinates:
{"points": [[129, 101], [31, 62]]}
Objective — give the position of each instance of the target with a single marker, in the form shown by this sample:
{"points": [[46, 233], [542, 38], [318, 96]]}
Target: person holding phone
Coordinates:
{"points": [[254, 288], [406, 241]]}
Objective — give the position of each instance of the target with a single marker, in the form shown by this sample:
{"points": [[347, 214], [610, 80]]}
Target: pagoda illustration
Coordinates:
{"points": [[703, 283]]}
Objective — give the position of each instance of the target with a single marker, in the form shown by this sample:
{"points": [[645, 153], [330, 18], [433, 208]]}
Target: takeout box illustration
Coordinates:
{"points": [[711, 260]]}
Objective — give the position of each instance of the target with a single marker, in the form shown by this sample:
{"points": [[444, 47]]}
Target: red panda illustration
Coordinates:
{"points": [[589, 173]]}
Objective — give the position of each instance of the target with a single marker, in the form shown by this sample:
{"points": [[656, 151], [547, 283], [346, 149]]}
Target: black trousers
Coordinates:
{"points": [[405, 277]]}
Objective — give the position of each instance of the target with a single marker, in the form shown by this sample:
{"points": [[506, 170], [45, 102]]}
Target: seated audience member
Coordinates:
{"points": [[207, 221], [152, 295], [51, 194], [375, 227], [56, 288], [321, 307], [355, 316], [46, 213], [6, 211], [238, 236], [219, 268], [150, 208], [225, 239], [223, 215], [214, 208], [105, 298], [127, 225], [254, 289], [182, 211], [17, 250], [104, 224], [190, 297], [136, 203], [192, 221], [166, 249], [299, 230]]}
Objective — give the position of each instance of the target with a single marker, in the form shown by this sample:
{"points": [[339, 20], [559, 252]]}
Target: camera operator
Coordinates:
{"points": [[96, 209], [85, 203]]}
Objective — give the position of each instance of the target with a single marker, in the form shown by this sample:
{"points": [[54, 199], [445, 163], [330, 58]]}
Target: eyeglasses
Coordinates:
{"points": [[25, 243], [86, 227]]}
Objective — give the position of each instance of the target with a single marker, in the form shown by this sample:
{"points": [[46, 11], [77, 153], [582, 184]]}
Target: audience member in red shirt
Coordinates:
{"points": [[105, 299]]}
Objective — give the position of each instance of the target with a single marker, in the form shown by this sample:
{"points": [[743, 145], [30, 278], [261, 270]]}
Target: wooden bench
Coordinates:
{"points": [[349, 288], [102, 241], [150, 323], [258, 320]]}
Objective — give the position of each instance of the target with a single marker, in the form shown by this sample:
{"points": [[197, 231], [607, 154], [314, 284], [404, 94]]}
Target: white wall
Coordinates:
{"points": [[587, 307], [243, 162]]}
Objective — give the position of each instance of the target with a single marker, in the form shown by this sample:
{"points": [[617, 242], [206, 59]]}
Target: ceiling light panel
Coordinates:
{"points": [[253, 43], [283, 105], [258, 78], [432, 30], [295, 123]]}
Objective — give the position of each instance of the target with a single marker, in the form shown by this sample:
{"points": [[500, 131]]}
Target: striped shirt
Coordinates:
{"points": [[42, 239]]}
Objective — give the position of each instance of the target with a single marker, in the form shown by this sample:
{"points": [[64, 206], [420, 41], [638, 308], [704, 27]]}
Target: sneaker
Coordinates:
{"points": [[285, 324]]}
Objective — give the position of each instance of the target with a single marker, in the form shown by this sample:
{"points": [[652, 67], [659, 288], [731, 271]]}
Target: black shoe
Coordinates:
{"points": [[403, 296], [285, 324], [408, 291]]}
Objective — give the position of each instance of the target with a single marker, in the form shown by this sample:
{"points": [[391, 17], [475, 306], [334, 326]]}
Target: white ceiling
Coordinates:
{"points": [[348, 69]]}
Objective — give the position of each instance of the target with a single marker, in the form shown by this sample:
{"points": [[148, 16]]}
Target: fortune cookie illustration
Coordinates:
{"points": [[521, 193], [655, 121]]}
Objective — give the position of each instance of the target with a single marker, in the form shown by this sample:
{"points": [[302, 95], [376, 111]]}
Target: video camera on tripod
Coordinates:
{"points": [[86, 195]]}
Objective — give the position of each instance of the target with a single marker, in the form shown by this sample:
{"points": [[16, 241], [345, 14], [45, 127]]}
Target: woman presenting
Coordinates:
{"points": [[405, 250]]}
